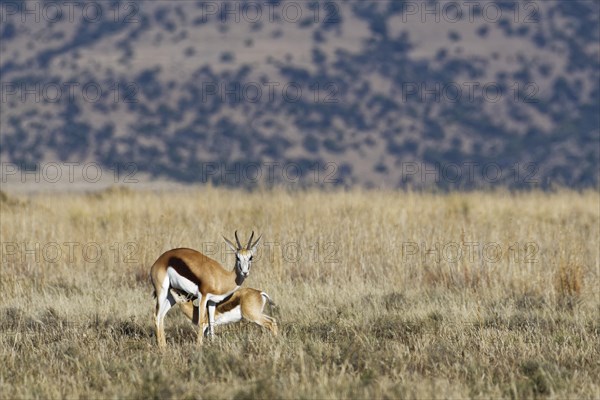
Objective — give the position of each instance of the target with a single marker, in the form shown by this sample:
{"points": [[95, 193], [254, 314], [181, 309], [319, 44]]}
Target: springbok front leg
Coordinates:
{"points": [[211, 318], [202, 317]]}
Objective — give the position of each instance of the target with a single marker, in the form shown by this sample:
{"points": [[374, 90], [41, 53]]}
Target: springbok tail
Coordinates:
{"points": [[270, 301]]}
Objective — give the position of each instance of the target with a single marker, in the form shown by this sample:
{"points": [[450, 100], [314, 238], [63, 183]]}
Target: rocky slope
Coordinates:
{"points": [[369, 93]]}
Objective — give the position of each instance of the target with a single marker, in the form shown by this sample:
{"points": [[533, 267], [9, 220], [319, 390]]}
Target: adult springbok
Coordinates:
{"points": [[198, 276], [246, 303]]}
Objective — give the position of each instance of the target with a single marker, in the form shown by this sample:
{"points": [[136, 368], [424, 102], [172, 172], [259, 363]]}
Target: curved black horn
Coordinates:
{"points": [[255, 243], [237, 240], [250, 241], [229, 243]]}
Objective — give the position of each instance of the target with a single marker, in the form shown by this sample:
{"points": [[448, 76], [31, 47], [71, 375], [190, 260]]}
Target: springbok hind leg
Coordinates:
{"points": [[211, 318], [161, 310], [270, 323], [202, 318], [254, 314], [160, 334]]}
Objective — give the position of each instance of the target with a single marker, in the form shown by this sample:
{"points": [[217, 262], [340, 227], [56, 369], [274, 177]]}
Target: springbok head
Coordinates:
{"points": [[243, 255]]}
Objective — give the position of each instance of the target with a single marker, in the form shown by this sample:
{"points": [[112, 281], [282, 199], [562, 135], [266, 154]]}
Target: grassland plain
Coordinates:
{"points": [[380, 295]]}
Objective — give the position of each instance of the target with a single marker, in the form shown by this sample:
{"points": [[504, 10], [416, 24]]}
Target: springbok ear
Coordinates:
{"points": [[255, 245], [231, 245]]}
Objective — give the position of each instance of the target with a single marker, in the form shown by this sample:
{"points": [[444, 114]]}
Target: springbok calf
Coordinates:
{"points": [[198, 276], [245, 303]]}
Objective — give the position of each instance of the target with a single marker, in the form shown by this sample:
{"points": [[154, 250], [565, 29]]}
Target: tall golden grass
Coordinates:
{"points": [[380, 294]]}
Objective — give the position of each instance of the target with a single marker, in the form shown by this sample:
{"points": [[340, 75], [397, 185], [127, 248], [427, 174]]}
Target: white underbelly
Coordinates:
{"points": [[217, 298], [233, 315], [182, 283]]}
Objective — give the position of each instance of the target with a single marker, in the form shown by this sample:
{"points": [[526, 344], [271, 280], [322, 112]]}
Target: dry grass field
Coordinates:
{"points": [[380, 295]]}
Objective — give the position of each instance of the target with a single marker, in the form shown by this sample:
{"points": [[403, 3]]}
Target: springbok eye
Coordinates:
{"points": [[251, 257]]}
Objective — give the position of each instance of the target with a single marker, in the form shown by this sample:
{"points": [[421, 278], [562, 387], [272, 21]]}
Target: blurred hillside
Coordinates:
{"points": [[368, 93]]}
